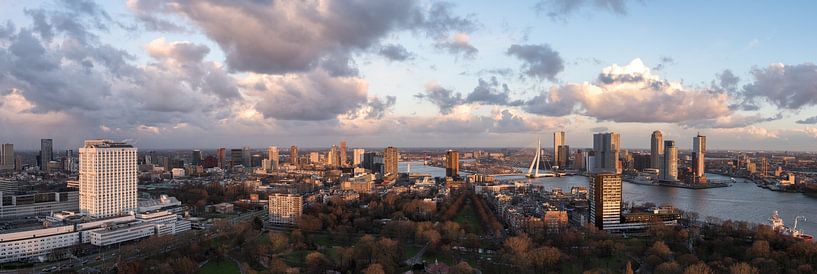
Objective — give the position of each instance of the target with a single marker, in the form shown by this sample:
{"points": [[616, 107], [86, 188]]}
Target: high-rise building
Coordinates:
{"points": [[606, 152], [390, 157], [46, 153], [236, 157], [197, 158], [579, 160], [564, 156], [670, 165], [656, 149], [698, 152], [452, 163], [332, 158], [7, 157], [357, 156], [293, 155], [221, 157], [273, 157], [246, 156], [558, 140], [343, 160], [285, 209], [604, 197], [764, 167], [107, 178], [314, 157]]}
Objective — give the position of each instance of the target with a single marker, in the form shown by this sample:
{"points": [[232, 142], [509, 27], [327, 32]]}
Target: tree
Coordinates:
{"points": [[660, 249], [279, 241], [699, 268], [461, 268], [629, 268], [545, 257], [742, 268], [374, 268], [760, 248], [317, 262], [668, 268], [185, 265]]}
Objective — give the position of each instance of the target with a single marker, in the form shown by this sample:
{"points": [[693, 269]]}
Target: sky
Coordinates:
{"points": [[407, 73]]}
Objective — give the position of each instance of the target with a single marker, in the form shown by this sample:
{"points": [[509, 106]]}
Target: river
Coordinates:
{"points": [[742, 201]]}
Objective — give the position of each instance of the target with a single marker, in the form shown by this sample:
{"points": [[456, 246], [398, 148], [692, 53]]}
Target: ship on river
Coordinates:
{"points": [[777, 225]]}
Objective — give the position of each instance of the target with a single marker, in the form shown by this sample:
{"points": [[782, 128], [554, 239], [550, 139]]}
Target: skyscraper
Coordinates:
{"points": [[7, 157], [670, 165], [764, 167], [293, 155], [606, 150], [246, 156], [236, 157], [332, 158], [221, 156], [390, 157], [656, 149], [46, 153], [343, 159], [698, 152], [452, 163], [196, 161], [564, 156], [272, 155], [605, 199], [558, 140], [107, 178], [357, 156], [314, 157]]}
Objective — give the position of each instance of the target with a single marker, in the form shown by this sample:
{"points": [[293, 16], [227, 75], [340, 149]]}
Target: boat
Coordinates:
{"points": [[777, 225]]}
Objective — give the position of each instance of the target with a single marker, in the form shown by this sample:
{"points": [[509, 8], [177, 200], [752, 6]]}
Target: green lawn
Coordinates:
{"points": [[214, 267], [469, 220]]}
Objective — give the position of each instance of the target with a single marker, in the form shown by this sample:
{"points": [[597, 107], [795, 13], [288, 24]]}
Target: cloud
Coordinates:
{"points": [[784, 86], [279, 37], [561, 9], [810, 120], [443, 98], [458, 44], [663, 62], [487, 92], [181, 51], [307, 97], [631, 94], [395, 52], [540, 61]]}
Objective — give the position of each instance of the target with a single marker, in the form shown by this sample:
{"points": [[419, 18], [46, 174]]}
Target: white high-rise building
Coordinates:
{"points": [[698, 152], [357, 156], [606, 149], [272, 155], [558, 140], [7, 157], [670, 171], [285, 208], [656, 149], [107, 178]]}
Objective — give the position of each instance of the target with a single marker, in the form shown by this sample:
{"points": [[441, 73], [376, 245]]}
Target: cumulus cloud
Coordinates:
{"points": [[810, 120], [445, 99], [784, 86], [458, 44], [395, 52], [540, 61], [487, 92], [631, 94], [561, 9], [280, 37]]}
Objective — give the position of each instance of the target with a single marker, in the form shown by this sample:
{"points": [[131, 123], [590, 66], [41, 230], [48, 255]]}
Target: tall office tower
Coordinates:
{"points": [[390, 157], [107, 178], [357, 156], [343, 160], [196, 161], [764, 166], [606, 150], [236, 157], [46, 153], [332, 157], [246, 156], [7, 157], [605, 200], [221, 156], [698, 152], [293, 155], [564, 156], [452, 163], [656, 149], [272, 155], [285, 209], [579, 161], [314, 157], [558, 140], [670, 165]]}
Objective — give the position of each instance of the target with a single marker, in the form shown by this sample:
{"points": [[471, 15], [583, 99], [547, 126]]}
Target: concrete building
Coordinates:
{"points": [[293, 155], [107, 178], [604, 197], [563, 157], [698, 152], [285, 209], [670, 165], [196, 158], [606, 152], [46, 153], [273, 156], [177, 172], [16, 246], [314, 157], [390, 157], [37, 204], [236, 157], [656, 149], [357, 157], [342, 154], [452, 164], [558, 140], [7, 157]]}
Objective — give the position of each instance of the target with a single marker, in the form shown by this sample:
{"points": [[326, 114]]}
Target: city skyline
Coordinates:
{"points": [[159, 75]]}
